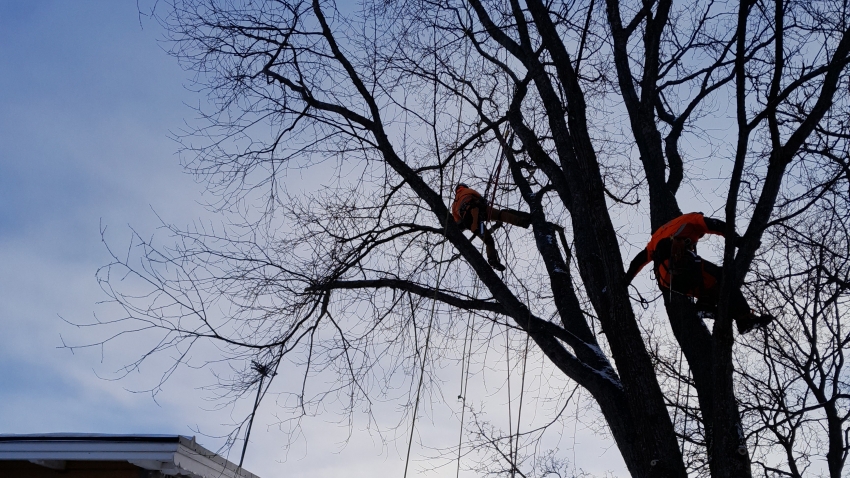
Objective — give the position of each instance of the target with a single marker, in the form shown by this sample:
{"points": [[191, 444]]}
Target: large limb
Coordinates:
{"points": [[615, 408], [559, 272], [597, 246], [641, 105], [427, 291], [465, 303]]}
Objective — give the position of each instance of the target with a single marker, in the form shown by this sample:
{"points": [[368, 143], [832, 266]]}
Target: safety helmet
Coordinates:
{"points": [[460, 185]]}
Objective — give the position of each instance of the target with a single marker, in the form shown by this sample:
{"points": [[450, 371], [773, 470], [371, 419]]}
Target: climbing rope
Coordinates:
{"points": [[521, 392], [490, 198], [679, 375], [513, 438], [440, 273], [493, 179], [510, 418], [678, 387], [466, 358], [685, 409]]}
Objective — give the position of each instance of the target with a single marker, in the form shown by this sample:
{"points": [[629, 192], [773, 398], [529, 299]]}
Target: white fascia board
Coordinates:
{"points": [[86, 451]]}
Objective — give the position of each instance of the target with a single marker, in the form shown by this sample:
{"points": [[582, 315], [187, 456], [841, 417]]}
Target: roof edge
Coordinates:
{"points": [[96, 437]]}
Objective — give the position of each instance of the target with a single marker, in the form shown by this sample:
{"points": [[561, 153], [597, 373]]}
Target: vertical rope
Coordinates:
{"points": [[497, 167], [466, 359], [510, 414], [440, 272], [685, 412], [507, 144], [678, 388], [522, 387]]}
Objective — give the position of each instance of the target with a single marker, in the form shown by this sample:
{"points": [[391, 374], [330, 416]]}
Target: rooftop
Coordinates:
{"points": [[72, 453]]}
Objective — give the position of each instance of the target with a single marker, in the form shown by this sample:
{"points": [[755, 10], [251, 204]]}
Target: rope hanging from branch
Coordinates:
{"points": [[493, 179], [440, 273]]}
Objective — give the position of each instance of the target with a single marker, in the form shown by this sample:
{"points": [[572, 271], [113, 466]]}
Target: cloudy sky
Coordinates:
{"points": [[88, 100]]}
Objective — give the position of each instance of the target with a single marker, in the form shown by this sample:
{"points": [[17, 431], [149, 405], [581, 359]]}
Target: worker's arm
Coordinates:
{"points": [[636, 265], [716, 226]]}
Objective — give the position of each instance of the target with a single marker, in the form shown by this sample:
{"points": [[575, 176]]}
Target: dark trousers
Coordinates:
{"points": [[475, 216], [701, 279]]}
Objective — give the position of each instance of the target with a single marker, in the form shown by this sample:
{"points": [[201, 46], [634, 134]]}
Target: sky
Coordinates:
{"points": [[89, 98]]}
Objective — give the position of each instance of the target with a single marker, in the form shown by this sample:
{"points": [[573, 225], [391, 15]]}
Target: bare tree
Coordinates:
{"points": [[360, 273], [795, 387]]}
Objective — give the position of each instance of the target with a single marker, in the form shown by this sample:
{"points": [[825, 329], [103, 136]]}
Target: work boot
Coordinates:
{"points": [[496, 265], [745, 325], [752, 322], [517, 218], [764, 320]]}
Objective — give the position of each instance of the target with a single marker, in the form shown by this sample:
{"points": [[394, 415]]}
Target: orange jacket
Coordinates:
{"points": [[692, 226], [464, 198]]}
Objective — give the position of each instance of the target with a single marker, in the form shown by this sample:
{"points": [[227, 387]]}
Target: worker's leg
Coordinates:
{"points": [[686, 274], [510, 216], [492, 253], [475, 215], [709, 291], [739, 308], [471, 218]]}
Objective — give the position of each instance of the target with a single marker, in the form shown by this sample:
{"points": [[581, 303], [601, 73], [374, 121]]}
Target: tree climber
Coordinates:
{"points": [[471, 211], [679, 269]]}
